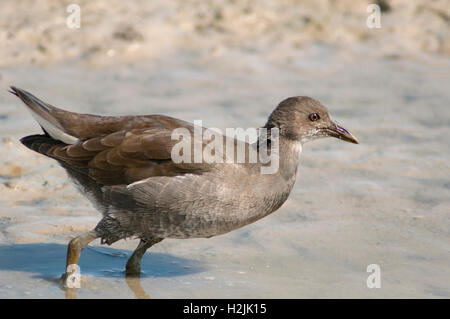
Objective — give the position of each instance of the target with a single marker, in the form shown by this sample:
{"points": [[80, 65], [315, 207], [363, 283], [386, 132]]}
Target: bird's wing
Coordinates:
{"points": [[112, 150], [121, 150], [122, 157]]}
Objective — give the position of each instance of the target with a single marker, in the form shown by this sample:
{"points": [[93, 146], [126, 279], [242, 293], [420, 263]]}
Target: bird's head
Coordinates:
{"points": [[304, 119]]}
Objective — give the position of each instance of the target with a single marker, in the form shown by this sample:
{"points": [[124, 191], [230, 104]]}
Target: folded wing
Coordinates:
{"points": [[110, 150]]}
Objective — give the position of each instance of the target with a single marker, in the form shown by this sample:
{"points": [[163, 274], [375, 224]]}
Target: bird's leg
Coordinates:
{"points": [[77, 244], [133, 267], [74, 249]]}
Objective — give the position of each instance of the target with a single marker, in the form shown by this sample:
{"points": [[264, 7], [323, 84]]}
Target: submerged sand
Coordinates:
{"points": [[385, 201]]}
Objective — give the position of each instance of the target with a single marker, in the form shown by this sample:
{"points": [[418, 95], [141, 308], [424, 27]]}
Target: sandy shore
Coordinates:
{"points": [[385, 201], [36, 32]]}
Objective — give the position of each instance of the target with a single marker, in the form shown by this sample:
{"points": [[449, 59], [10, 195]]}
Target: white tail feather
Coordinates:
{"points": [[53, 130]]}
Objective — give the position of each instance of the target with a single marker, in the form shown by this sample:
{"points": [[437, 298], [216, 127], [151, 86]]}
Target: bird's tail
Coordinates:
{"points": [[43, 114]]}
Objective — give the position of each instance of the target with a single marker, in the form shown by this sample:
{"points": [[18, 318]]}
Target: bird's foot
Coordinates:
{"points": [[71, 278]]}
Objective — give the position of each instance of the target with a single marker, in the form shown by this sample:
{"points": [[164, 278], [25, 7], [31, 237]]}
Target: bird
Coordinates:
{"points": [[124, 165]]}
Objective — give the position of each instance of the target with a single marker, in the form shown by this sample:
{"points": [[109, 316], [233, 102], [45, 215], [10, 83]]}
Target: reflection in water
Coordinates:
{"points": [[47, 261], [133, 282], [135, 285], [71, 293]]}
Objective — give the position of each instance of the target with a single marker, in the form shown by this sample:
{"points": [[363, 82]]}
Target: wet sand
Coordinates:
{"points": [[385, 201]]}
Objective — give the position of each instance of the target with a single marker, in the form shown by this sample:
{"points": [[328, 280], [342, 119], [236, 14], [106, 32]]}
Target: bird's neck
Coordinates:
{"points": [[284, 157], [289, 158], [278, 185]]}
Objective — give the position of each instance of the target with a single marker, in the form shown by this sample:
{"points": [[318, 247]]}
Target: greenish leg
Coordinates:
{"points": [[74, 249], [133, 267]]}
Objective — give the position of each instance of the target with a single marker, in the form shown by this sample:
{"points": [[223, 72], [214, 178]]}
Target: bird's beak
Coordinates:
{"points": [[339, 132]]}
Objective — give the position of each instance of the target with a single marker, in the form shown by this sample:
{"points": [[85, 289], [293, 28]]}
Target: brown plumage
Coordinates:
{"points": [[124, 166]]}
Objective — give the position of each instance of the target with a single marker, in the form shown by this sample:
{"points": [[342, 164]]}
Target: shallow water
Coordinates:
{"points": [[385, 201]]}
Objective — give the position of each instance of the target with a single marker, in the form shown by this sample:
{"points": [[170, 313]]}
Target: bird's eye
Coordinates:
{"points": [[314, 117]]}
